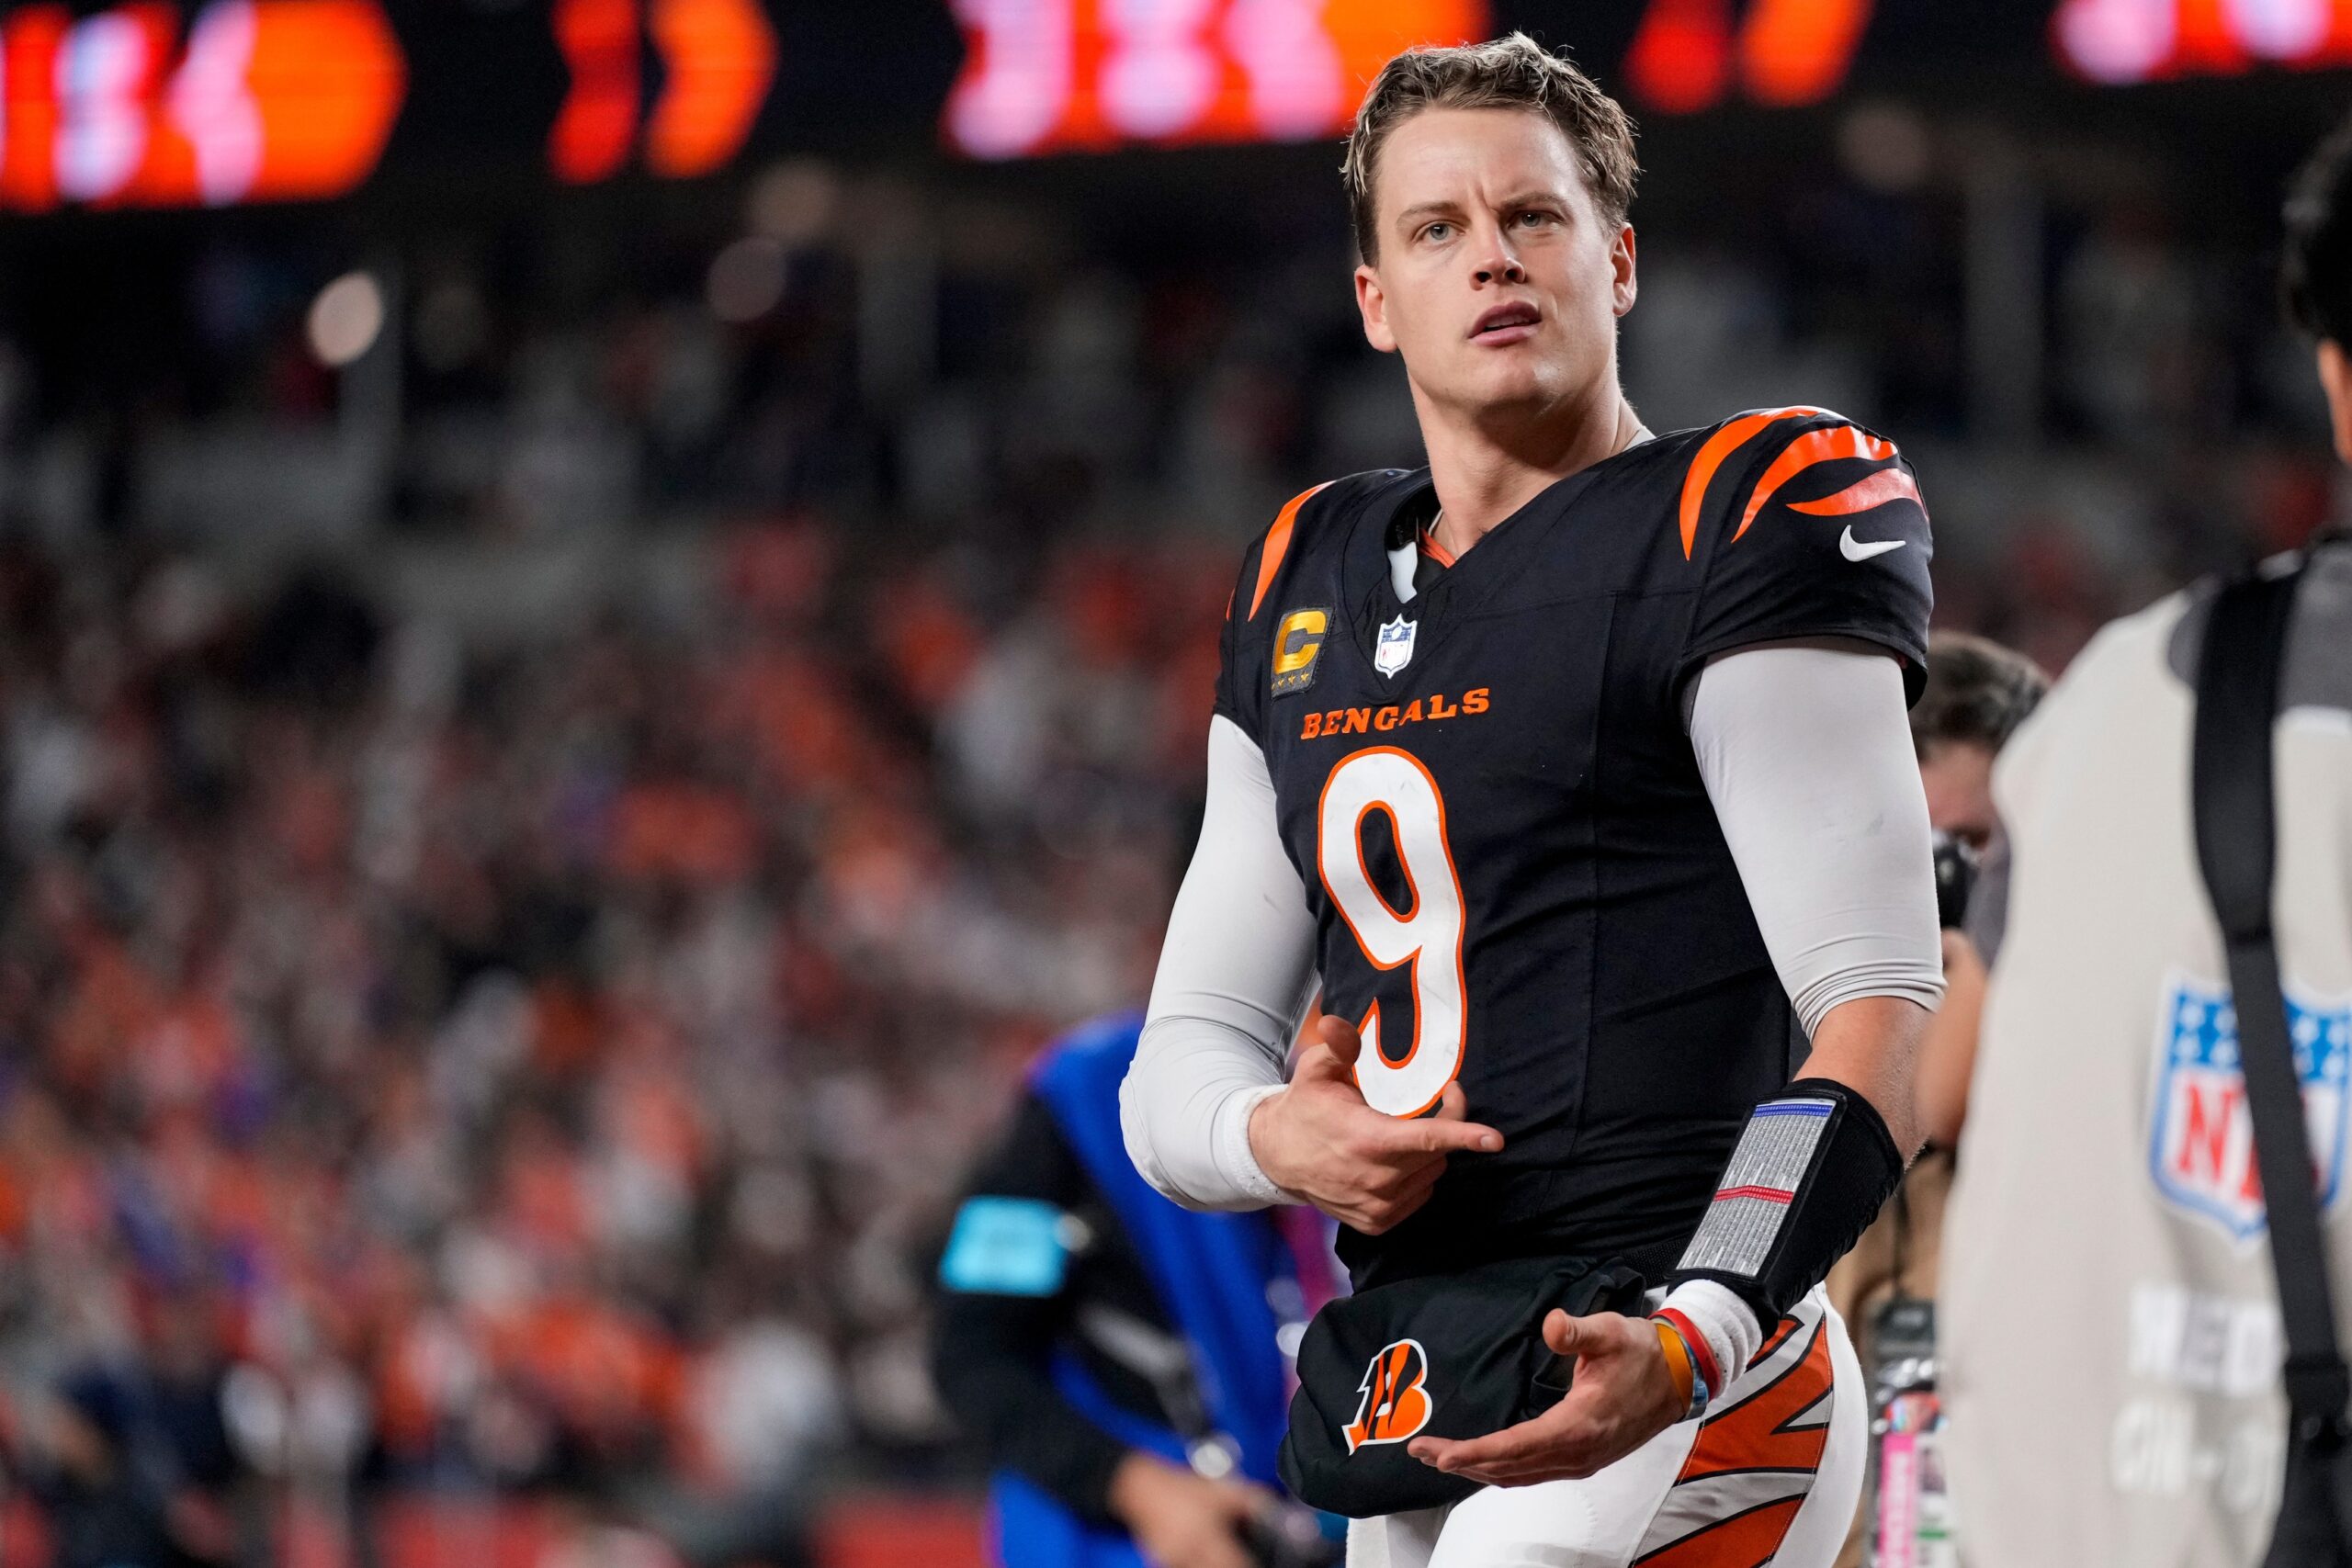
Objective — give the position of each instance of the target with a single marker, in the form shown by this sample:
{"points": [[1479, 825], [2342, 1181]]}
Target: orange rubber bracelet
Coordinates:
{"points": [[1678, 1363]]}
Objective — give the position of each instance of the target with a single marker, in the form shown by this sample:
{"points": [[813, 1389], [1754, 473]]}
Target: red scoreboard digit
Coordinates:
{"points": [[719, 60], [1688, 54]]}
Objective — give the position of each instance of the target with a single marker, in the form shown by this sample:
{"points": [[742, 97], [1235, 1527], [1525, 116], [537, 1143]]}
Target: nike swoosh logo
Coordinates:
{"points": [[1854, 549]]}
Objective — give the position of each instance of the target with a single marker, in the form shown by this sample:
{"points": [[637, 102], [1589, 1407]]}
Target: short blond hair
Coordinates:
{"points": [[1512, 73]]}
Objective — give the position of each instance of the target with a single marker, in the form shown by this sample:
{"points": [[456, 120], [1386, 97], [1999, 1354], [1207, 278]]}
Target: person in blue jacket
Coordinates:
{"points": [[1123, 1362]]}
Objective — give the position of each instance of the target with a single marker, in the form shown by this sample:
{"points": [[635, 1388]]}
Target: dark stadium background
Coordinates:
{"points": [[529, 859]]}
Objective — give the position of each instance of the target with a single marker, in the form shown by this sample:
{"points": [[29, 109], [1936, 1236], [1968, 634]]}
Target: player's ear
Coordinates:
{"points": [[1624, 287], [1373, 302], [2336, 377]]}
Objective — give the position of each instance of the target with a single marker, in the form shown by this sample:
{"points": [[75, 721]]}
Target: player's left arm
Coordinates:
{"points": [[1810, 625], [1808, 758], [1808, 643]]}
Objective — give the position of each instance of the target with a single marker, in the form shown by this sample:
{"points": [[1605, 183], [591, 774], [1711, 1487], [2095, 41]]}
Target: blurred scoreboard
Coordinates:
{"points": [[152, 103], [1051, 75], [2119, 42], [248, 100], [188, 103]]}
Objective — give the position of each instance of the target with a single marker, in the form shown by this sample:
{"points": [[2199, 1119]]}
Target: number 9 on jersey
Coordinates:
{"points": [[1426, 937]]}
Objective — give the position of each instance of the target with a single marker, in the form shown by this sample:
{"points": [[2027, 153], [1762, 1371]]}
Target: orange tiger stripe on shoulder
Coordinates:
{"points": [[1871, 491], [1718, 446], [1812, 447], [1270, 561]]}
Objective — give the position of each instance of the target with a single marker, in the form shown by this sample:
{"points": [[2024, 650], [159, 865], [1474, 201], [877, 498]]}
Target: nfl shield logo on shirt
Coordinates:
{"points": [[2200, 1149], [1395, 650]]}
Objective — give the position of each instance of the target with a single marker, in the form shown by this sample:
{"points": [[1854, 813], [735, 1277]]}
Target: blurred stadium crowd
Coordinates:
{"points": [[542, 1068], [533, 859]]}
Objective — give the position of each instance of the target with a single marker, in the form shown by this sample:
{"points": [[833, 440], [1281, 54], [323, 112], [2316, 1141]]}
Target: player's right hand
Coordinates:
{"points": [[1367, 1169]]}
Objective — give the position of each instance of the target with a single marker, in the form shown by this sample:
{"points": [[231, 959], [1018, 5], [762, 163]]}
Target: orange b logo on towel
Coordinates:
{"points": [[1395, 1405]]}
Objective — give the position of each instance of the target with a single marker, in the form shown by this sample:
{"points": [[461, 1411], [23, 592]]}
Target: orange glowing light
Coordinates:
{"points": [[593, 131], [722, 57], [29, 117], [328, 77], [1788, 51], [1680, 61], [1798, 51]]}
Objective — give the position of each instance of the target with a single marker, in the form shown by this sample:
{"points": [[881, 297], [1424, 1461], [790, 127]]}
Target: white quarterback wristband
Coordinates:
{"points": [[1726, 1322]]}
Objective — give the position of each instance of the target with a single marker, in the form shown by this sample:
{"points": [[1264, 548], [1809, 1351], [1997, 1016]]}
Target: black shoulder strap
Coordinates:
{"points": [[2237, 699]]}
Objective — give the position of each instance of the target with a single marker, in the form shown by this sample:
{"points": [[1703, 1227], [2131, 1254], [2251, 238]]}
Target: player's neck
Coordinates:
{"points": [[1484, 471]]}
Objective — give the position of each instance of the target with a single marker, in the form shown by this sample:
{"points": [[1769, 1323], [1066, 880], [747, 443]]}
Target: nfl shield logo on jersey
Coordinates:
{"points": [[2200, 1150], [1395, 647]]}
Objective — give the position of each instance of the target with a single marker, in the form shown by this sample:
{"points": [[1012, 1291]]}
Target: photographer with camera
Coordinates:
{"points": [[1123, 1362], [1978, 694]]}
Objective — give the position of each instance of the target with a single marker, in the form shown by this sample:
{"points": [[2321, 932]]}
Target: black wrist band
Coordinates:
{"points": [[1810, 1172]]}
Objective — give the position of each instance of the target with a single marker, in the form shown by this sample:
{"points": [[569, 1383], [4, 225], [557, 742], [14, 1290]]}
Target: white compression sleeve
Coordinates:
{"points": [[1235, 973], [1807, 756]]}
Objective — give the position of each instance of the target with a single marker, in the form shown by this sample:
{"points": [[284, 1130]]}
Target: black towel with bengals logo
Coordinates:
{"points": [[1482, 774], [1454, 1355]]}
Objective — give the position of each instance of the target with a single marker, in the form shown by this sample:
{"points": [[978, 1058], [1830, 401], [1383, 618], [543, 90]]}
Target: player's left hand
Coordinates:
{"points": [[1620, 1397]]}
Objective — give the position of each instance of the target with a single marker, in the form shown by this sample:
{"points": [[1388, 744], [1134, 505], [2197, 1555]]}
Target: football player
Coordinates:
{"points": [[1573, 767]]}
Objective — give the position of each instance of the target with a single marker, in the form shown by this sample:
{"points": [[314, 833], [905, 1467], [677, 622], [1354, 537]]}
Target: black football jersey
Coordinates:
{"points": [[1489, 793]]}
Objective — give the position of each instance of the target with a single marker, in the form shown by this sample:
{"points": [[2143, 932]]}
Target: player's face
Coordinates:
{"points": [[1958, 776], [1497, 279]]}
